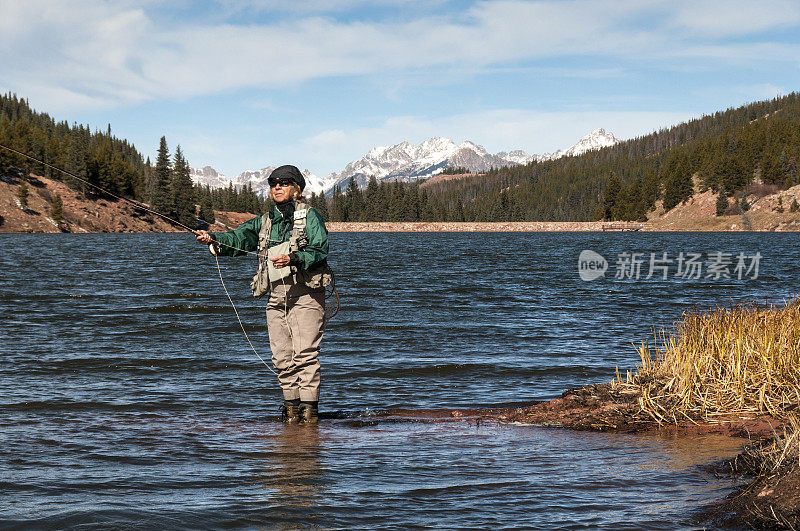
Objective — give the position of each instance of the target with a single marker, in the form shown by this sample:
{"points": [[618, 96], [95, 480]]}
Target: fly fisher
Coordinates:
{"points": [[291, 242], [292, 245]]}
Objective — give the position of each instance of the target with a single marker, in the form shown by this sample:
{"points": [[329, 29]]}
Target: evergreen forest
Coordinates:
{"points": [[111, 164], [735, 153]]}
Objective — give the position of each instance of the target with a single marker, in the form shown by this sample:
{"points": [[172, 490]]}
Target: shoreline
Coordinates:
{"points": [[516, 226], [418, 226], [422, 227], [102, 215], [761, 503], [464, 226]]}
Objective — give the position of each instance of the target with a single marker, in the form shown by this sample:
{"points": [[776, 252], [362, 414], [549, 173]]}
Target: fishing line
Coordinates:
{"points": [[219, 269], [133, 202], [141, 206]]}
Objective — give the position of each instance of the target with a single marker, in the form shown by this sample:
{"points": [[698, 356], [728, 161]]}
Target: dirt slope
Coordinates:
{"points": [[699, 213], [83, 214]]}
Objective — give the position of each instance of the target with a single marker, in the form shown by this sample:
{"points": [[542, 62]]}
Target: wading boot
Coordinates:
{"points": [[290, 412], [309, 413]]}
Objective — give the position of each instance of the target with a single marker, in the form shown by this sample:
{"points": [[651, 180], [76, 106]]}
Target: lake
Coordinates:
{"points": [[132, 399]]}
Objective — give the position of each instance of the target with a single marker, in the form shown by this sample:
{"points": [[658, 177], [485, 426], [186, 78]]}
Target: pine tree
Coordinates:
{"points": [[22, 194], [182, 190], [57, 209], [148, 189], [206, 205], [411, 209], [459, 212], [372, 204], [336, 207], [161, 200], [610, 198], [76, 161], [100, 167], [722, 203], [677, 189], [353, 209], [322, 206], [792, 176]]}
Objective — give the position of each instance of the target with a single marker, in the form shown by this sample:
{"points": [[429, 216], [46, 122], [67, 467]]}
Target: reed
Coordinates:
{"points": [[740, 361], [780, 450], [768, 502], [737, 360]]}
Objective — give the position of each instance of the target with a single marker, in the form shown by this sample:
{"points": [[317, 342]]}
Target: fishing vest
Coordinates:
{"points": [[317, 277]]}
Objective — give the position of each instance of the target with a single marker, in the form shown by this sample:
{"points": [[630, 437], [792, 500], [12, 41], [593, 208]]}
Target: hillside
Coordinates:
{"points": [[699, 213], [32, 142], [80, 213], [749, 153], [103, 215], [730, 150]]}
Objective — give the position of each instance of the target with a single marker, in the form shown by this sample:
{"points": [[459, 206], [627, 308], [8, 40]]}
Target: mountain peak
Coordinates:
{"points": [[208, 176], [406, 162], [596, 139], [257, 179]]}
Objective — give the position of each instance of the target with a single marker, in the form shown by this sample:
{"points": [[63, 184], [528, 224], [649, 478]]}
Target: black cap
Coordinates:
{"points": [[287, 171]]}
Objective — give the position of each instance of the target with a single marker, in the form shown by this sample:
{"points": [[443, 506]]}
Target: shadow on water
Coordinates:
{"points": [[357, 471]]}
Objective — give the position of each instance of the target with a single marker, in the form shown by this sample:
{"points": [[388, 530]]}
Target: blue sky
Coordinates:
{"points": [[246, 84]]}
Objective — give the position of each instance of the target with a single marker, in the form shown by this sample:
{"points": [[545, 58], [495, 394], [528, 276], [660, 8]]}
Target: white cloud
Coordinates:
{"points": [[743, 52], [315, 6], [89, 54], [735, 17], [112, 52]]}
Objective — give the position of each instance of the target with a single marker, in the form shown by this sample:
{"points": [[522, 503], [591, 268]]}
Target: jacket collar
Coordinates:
{"points": [[286, 211]]}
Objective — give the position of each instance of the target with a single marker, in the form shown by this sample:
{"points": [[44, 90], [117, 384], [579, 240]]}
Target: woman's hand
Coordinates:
{"points": [[202, 236], [279, 261]]}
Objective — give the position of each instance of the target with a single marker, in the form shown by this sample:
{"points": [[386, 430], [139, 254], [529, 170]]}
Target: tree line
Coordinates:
{"points": [[170, 191], [726, 152], [111, 164]]}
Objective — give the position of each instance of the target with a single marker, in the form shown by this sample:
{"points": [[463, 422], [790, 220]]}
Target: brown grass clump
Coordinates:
{"points": [[772, 500], [731, 361], [724, 366], [780, 451]]}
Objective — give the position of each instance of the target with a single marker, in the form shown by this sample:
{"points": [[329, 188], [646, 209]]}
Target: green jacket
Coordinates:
{"points": [[246, 236]]}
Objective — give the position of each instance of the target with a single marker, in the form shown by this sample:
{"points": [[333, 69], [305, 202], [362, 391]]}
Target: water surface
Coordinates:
{"points": [[131, 397]]}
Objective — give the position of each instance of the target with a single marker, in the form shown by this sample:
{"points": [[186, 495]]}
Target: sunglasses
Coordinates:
{"points": [[282, 182]]}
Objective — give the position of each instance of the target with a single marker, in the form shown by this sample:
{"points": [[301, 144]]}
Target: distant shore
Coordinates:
{"points": [[718, 225], [82, 215], [465, 226]]}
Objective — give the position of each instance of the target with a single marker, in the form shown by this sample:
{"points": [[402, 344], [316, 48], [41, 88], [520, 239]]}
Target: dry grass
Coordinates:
{"points": [[770, 501], [731, 361], [740, 361], [778, 451]]}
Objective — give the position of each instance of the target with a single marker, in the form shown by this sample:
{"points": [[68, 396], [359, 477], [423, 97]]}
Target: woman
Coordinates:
{"points": [[292, 244]]}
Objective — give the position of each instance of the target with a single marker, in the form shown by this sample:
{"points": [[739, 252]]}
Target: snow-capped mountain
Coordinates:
{"points": [[597, 139], [258, 180], [407, 162], [208, 176]]}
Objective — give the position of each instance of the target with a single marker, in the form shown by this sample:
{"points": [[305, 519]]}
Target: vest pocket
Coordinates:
{"points": [[276, 274]]}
